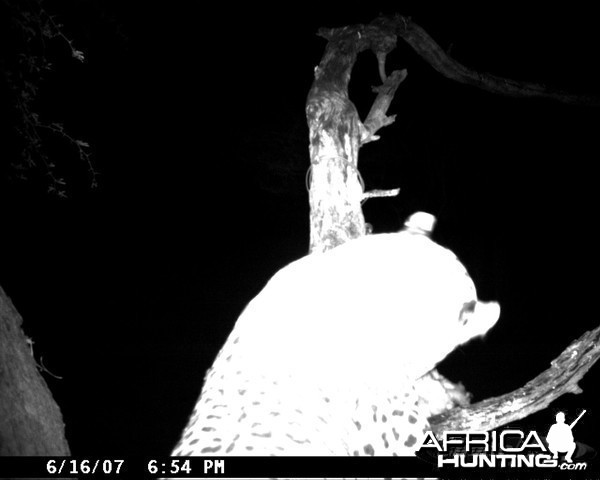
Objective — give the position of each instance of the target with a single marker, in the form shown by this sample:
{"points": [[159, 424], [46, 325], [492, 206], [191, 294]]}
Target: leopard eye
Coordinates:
{"points": [[466, 311]]}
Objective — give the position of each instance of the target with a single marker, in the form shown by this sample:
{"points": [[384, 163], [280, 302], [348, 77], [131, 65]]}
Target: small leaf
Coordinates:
{"points": [[78, 55]]}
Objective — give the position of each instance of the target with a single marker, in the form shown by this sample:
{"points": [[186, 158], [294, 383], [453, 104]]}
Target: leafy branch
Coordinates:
{"points": [[31, 27]]}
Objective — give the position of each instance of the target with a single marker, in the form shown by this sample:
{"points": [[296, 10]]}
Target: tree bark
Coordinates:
{"points": [[336, 134], [30, 421]]}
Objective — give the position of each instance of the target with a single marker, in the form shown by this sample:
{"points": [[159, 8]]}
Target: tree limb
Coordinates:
{"points": [[380, 193], [562, 377], [432, 53], [377, 117]]}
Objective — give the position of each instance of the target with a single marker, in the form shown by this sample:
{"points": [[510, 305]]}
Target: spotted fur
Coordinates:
{"points": [[325, 359]]}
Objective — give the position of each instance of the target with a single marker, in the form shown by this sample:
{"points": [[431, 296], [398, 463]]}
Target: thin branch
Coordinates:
{"points": [[80, 145], [380, 193], [381, 65], [377, 117]]}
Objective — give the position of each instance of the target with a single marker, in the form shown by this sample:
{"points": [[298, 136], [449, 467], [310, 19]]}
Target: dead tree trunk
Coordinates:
{"points": [[30, 421], [336, 133]]}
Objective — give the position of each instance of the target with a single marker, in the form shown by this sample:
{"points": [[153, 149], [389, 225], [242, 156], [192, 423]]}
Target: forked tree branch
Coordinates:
{"points": [[388, 28]]}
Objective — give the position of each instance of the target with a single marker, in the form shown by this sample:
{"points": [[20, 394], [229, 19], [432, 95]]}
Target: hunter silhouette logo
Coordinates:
{"points": [[560, 437]]}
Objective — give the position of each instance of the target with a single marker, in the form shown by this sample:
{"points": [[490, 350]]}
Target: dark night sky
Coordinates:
{"points": [[196, 118]]}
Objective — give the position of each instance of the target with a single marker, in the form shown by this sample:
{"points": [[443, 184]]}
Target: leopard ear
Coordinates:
{"points": [[421, 223]]}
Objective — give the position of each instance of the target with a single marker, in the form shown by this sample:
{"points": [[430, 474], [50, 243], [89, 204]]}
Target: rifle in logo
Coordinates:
{"points": [[576, 420]]}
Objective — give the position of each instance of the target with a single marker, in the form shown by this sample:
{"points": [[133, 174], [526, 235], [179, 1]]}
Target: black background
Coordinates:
{"points": [[196, 119]]}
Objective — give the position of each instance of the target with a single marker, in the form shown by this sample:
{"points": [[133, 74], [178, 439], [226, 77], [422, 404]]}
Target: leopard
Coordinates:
{"points": [[327, 359]]}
